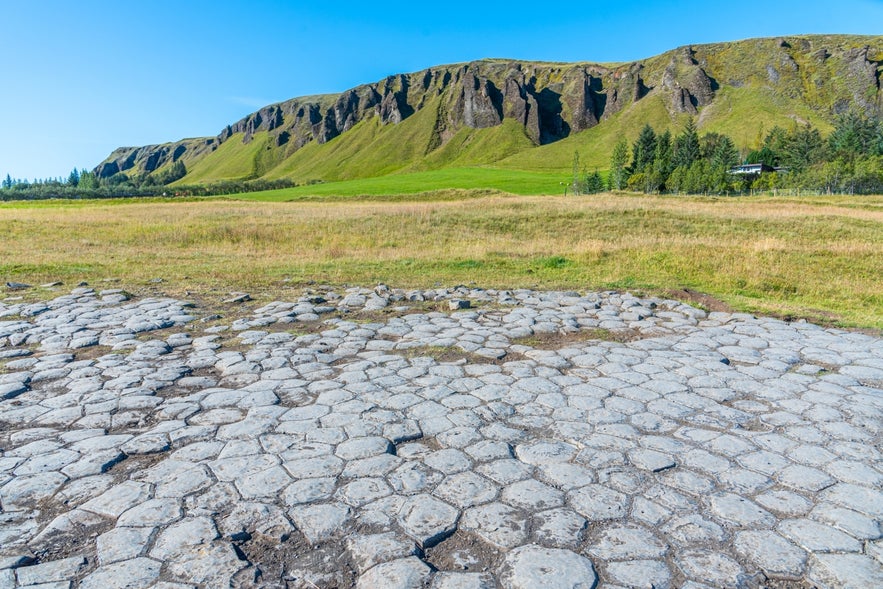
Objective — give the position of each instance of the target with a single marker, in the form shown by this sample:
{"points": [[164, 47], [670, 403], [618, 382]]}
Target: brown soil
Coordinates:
{"points": [[702, 300]]}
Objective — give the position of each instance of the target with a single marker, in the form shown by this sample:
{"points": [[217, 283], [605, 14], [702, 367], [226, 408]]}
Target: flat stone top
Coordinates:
{"points": [[382, 437]]}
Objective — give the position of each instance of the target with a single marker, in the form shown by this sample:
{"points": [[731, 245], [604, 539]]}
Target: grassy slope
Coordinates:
{"points": [[594, 145], [232, 160], [748, 103], [371, 149]]}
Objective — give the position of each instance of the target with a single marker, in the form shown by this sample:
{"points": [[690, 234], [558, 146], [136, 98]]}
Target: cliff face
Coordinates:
{"points": [[828, 74]]}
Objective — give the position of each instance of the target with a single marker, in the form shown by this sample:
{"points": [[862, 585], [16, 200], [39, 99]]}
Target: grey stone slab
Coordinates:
{"points": [[626, 543], [362, 491], [718, 570], [651, 460], [252, 517], [448, 461], [317, 467], [210, 566], [372, 549], [859, 498], [466, 489], [505, 471], [179, 540], [559, 528], [693, 529], [462, 581], [265, 483], [309, 490], [640, 573], [24, 492], [427, 519], [404, 573], [532, 495], [122, 544], [770, 552], [598, 503], [851, 522], [544, 451], [136, 573], [847, 571], [151, 513], [321, 521], [528, 567], [363, 447], [117, 499], [804, 478], [739, 511], [818, 537], [497, 524], [784, 502], [94, 463], [51, 571], [12, 390]]}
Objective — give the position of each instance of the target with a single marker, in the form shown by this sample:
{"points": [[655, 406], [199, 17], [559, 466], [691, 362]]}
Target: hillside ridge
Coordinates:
{"points": [[499, 110]]}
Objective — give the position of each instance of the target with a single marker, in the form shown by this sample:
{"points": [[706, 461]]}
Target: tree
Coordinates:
{"points": [[88, 181], [687, 149], [764, 155], [7, 183], [658, 173], [725, 154], [618, 162], [593, 183], [774, 143], [856, 134], [803, 148], [74, 178], [174, 173], [574, 181], [643, 150]]}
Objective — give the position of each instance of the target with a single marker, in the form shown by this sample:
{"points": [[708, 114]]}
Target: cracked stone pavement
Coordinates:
{"points": [[447, 438]]}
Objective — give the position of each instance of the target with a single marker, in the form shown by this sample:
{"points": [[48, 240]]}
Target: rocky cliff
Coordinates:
{"points": [[826, 74]]}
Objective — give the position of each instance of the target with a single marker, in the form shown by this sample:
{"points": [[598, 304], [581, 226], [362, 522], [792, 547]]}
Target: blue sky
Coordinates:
{"points": [[81, 78]]}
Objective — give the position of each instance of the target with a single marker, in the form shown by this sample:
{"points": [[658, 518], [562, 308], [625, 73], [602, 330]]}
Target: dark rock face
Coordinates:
{"points": [[626, 88], [865, 78], [479, 103], [688, 85]]}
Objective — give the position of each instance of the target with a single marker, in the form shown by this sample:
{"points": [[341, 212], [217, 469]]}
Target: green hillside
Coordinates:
{"points": [[531, 117]]}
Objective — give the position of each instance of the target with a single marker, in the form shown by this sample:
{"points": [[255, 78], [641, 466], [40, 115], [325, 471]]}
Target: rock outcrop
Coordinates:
{"points": [[827, 74]]}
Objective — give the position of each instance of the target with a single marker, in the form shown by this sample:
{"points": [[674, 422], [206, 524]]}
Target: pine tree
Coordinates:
{"points": [[643, 150], [803, 148], [687, 148], [725, 154], [856, 134], [618, 162]]}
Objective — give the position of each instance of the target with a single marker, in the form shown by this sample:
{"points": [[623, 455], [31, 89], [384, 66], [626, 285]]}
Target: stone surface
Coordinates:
{"points": [[406, 573], [529, 566], [309, 443]]}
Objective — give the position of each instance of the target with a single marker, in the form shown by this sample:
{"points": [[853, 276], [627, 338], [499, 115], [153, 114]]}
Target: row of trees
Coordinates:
{"points": [[82, 184], [849, 160]]}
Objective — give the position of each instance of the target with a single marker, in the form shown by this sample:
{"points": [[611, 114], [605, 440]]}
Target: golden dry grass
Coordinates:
{"points": [[820, 258]]}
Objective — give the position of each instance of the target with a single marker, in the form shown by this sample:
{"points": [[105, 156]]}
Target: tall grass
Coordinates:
{"points": [[819, 258]]}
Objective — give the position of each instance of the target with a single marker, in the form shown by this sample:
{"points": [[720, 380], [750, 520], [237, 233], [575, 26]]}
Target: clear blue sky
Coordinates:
{"points": [[83, 77]]}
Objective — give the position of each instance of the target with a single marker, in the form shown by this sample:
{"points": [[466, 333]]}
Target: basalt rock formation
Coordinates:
{"points": [[551, 101]]}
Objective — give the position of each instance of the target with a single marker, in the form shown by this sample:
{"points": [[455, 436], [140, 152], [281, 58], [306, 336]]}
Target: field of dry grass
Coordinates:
{"points": [[815, 257]]}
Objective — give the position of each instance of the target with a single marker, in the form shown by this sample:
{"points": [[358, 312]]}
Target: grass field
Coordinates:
{"points": [[819, 258], [440, 181]]}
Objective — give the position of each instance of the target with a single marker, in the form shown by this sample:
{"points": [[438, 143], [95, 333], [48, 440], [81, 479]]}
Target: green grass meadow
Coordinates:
{"points": [[818, 257]]}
